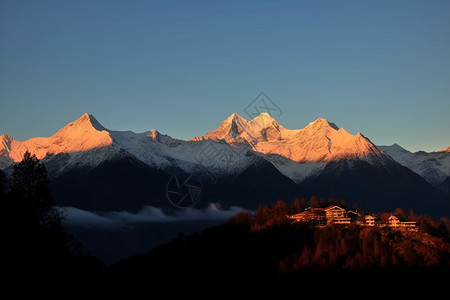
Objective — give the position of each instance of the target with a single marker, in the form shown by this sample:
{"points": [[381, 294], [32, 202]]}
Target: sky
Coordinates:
{"points": [[381, 68]]}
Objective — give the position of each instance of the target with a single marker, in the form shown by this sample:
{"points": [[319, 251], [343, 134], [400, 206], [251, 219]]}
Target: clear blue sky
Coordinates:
{"points": [[381, 68]]}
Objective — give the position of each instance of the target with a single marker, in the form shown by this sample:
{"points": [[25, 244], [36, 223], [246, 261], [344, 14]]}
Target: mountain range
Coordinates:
{"points": [[242, 163]]}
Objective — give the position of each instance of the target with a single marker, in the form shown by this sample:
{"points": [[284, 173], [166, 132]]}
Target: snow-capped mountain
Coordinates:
{"points": [[241, 163], [320, 141], [297, 153], [86, 143], [75, 140], [77, 136], [433, 166]]}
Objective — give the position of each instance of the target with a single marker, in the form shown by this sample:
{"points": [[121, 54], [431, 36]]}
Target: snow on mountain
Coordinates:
{"points": [[6, 144], [77, 136], [445, 150], [433, 166], [319, 141], [166, 153], [76, 144], [235, 129], [89, 159], [85, 142], [297, 171], [232, 147]]}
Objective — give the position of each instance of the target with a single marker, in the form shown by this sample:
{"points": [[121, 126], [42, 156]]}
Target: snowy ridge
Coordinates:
{"points": [[319, 141], [86, 143], [77, 136], [433, 166], [226, 151]]}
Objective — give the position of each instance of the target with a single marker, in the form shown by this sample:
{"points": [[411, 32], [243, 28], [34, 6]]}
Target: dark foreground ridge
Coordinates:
{"points": [[268, 248], [267, 252]]}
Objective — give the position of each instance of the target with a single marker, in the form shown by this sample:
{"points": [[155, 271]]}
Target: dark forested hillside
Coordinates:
{"points": [[266, 246]]}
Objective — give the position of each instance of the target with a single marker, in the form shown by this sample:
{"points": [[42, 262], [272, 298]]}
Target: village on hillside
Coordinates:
{"points": [[337, 215]]}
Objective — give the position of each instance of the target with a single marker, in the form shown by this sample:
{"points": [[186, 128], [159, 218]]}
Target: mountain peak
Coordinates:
{"points": [[322, 123], [5, 137], [87, 119], [234, 117], [230, 128], [154, 134], [85, 133], [445, 150], [397, 146], [320, 140], [264, 116], [264, 120], [5, 143], [84, 127], [84, 118]]}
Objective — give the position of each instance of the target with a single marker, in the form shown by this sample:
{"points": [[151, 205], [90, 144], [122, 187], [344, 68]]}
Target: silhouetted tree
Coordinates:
{"points": [[331, 201], [242, 218], [343, 204], [299, 205], [262, 215], [356, 207], [412, 216], [444, 227], [313, 202], [278, 214], [29, 187], [35, 240], [384, 217], [399, 212]]}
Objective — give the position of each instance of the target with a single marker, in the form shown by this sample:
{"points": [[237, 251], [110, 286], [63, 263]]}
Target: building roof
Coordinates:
{"points": [[333, 207]]}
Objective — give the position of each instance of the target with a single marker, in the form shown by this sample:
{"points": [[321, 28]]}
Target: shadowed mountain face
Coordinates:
{"points": [[241, 163], [259, 183], [380, 188], [122, 183], [445, 185], [434, 167]]}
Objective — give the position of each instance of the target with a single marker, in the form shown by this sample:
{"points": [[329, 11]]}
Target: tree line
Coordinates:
{"points": [[351, 247], [265, 246], [34, 240], [267, 215]]}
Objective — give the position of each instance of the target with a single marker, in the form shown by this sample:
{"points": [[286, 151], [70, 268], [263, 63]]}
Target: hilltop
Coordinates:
{"points": [[268, 247]]}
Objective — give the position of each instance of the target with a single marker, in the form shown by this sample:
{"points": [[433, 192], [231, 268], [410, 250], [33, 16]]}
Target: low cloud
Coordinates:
{"points": [[78, 217], [75, 216]]}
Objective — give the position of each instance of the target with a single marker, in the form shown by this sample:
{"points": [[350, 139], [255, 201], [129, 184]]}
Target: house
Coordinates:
{"points": [[303, 216], [372, 220], [354, 217], [334, 211], [395, 222], [314, 216], [336, 215], [322, 216]]}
